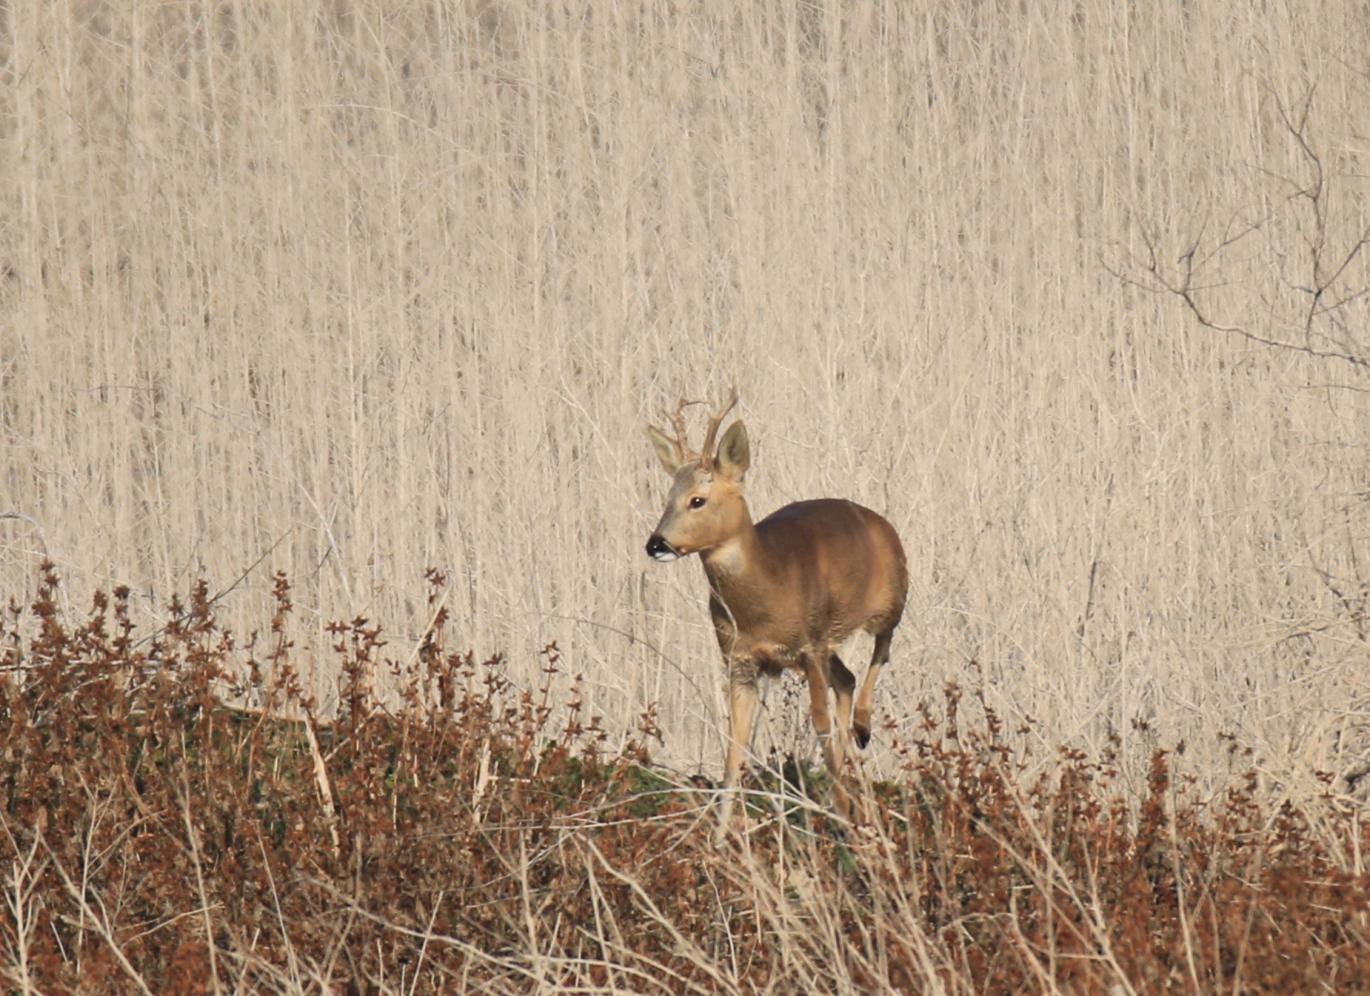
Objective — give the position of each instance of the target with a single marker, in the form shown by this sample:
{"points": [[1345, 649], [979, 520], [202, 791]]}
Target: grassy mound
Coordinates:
{"points": [[479, 836]]}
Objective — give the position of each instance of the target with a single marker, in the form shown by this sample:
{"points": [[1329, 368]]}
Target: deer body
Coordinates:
{"points": [[784, 592], [809, 575]]}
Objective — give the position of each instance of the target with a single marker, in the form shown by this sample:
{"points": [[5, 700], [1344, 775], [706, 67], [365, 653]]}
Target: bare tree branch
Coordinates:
{"points": [[1303, 260]]}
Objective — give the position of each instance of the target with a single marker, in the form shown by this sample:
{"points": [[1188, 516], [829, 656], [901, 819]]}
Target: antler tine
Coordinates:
{"points": [[706, 455], [677, 422]]}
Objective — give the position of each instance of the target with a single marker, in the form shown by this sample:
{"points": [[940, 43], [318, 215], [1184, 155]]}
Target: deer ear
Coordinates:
{"points": [[666, 450], [734, 452]]}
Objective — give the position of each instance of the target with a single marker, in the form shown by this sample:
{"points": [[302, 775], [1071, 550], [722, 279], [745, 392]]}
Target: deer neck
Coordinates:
{"points": [[737, 563]]}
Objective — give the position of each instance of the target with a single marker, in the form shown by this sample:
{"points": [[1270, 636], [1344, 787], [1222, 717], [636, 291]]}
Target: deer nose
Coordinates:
{"points": [[659, 549]]}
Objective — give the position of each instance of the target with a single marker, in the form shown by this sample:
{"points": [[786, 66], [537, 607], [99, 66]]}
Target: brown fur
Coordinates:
{"points": [[784, 592]]}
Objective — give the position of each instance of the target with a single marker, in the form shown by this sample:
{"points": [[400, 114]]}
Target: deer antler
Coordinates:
{"points": [[684, 454], [677, 420], [706, 455]]}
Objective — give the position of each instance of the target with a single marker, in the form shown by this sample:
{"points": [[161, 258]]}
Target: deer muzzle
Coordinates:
{"points": [[659, 549]]}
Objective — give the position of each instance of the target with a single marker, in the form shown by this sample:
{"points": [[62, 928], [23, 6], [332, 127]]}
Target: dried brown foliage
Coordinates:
{"points": [[156, 838]]}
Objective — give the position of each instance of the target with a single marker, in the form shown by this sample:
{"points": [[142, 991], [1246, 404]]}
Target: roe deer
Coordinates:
{"points": [[783, 592]]}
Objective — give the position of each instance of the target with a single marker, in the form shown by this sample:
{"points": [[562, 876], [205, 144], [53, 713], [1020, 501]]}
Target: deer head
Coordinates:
{"points": [[705, 507]]}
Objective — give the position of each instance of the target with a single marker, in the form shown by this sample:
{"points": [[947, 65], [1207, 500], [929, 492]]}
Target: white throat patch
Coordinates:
{"points": [[726, 558]]}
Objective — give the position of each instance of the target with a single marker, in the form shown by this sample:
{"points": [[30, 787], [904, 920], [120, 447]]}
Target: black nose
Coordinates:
{"points": [[658, 547]]}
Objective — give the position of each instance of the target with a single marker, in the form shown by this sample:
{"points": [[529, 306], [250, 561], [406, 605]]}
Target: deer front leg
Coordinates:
{"points": [[742, 700]]}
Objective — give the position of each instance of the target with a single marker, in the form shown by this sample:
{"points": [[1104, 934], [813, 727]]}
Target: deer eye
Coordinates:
{"points": [[696, 502]]}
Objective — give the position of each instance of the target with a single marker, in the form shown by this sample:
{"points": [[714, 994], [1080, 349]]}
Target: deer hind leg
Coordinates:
{"points": [[843, 684], [742, 701], [861, 722], [816, 667]]}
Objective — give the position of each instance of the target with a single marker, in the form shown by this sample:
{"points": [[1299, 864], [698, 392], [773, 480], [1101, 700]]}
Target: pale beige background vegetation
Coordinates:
{"points": [[353, 289]]}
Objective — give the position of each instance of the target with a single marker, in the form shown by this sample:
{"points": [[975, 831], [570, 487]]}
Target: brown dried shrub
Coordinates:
{"points": [[159, 837]]}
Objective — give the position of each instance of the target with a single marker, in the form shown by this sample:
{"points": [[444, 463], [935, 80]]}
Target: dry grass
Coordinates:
{"points": [[464, 840], [351, 289]]}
